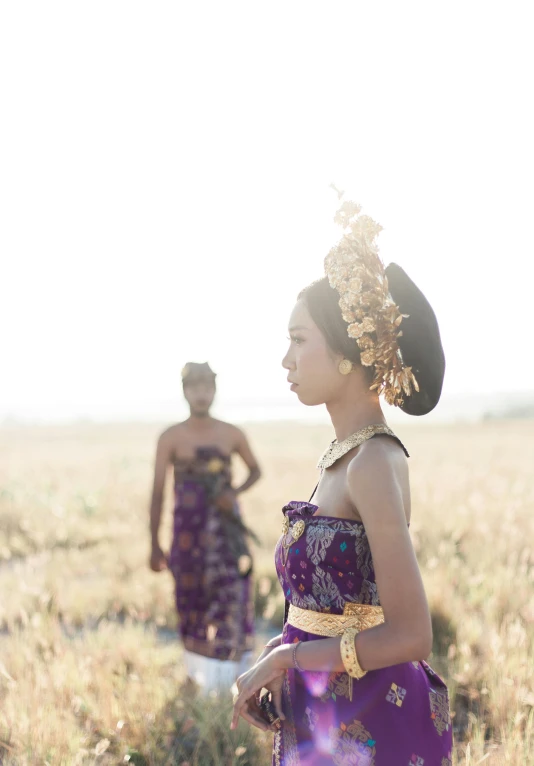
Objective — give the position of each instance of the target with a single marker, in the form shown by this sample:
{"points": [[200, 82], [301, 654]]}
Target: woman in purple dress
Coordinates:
{"points": [[347, 678], [210, 558]]}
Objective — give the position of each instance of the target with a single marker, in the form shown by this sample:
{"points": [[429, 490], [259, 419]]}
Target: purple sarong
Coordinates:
{"points": [[212, 575], [398, 716]]}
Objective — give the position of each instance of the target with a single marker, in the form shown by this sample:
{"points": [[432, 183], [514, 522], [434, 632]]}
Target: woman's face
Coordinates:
{"points": [[199, 395], [312, 366]]}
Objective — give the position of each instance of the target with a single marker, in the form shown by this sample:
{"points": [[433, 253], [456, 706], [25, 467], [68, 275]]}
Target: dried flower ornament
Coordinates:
{"points": [[354, 269]]}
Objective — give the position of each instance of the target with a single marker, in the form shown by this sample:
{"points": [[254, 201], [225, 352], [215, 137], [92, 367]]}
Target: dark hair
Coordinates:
{"points": [[420, 343], [194, 372], [322, 301]]}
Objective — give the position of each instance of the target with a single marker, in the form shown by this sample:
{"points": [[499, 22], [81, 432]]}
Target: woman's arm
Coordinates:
{"points": [[375, 490], [242, 448], [163, 456], [269, 646]]}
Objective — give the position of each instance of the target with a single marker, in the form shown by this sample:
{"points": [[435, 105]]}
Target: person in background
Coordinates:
{"points": [[210, 557]]}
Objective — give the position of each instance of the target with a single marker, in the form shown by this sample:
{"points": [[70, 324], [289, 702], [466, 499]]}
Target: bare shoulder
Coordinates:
{"points": [[377, 479], [235, 434], [378, 455], [172, 434]]}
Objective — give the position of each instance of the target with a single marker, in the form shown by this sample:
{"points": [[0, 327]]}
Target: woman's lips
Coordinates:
{"points": [[294, 387]]}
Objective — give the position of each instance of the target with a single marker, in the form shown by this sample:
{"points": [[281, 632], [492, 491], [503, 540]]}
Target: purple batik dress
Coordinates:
{"points": [[210, 562], [398, 716]]}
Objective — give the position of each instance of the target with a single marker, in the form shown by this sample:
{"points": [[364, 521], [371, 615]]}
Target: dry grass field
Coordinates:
{"points": [[90, 669]]}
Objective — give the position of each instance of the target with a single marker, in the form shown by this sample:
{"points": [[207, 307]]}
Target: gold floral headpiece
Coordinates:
{"points": [[354, 269]]}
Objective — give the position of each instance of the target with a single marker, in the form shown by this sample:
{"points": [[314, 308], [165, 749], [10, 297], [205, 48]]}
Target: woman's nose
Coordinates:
{"points": [[287, 362]]}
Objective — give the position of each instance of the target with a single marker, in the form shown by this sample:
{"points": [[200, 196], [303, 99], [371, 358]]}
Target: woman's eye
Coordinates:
{"points": [[295, 339]]}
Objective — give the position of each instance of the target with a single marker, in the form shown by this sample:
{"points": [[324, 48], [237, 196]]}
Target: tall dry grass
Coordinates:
{"points": [[90, 671]]}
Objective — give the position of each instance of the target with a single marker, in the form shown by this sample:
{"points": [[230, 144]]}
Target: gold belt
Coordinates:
{"points": [[359, 616]]}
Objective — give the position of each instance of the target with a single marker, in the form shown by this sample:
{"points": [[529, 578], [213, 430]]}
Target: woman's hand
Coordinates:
{"points": [[266, 674], [226, 500], [273, 643], [158, 560]]}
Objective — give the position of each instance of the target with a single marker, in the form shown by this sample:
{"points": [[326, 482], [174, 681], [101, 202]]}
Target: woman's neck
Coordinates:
{"points": [[353, 412], [200, 422]]}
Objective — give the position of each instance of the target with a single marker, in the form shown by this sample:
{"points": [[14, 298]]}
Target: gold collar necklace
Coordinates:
{"points": [[336, 450]]}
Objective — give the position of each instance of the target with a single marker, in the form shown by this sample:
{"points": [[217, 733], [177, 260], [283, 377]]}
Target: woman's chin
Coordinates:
{"points": [[307, 399]]}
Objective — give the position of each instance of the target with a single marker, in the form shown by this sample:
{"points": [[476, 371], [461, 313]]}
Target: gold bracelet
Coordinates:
{"points": [[350, 658]]}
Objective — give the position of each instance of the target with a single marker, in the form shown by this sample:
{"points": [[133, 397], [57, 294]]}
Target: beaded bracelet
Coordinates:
{"points": [[295, 663]]}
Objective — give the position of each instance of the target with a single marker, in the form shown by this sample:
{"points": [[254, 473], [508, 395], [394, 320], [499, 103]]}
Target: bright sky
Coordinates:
{"points": [[164, 172]]}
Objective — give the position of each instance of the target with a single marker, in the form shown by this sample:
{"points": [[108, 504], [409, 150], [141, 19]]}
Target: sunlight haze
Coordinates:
{"points": [[165, 190]]}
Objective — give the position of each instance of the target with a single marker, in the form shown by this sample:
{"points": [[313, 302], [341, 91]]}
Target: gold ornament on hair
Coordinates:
{"points": [[354, 269]]}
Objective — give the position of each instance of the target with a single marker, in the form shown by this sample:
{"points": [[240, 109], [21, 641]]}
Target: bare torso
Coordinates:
{"points": [[184, 439]]}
